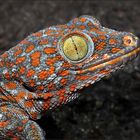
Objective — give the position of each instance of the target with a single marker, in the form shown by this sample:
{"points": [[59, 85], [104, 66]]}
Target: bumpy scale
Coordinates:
{"points": [[48, 68]]}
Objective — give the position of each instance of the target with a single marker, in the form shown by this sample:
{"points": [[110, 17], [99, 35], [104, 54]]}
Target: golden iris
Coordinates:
{"points": [[75, 47]]}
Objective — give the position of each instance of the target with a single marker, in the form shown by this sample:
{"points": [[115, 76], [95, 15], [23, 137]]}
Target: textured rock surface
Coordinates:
{"points": [[109, 109]]}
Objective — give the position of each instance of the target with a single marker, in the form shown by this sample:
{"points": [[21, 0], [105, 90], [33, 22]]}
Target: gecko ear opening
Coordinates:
{"points": [[93, 20]]}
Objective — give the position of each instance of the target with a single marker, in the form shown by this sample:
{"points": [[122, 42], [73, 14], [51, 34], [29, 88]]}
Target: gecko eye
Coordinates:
{"points": [[75, 47]]}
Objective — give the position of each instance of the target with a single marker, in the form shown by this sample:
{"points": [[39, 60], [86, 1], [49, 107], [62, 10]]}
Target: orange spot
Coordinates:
{"points": [[59, 57], [46, 95], [4, 109], [35, 63], [73, 87], [34, 116], [62, 26], [10, 98], [3, 124], [105, 56], [112, 41], [43, 74], [66, 65], [29, 48], [28, 104], [82, 77], [49, 31], [49, 50], [8, 64], [51, 70], [64, 73], [24, 42], [46, 104], [83, 19], [61, 92], [7, 75], [5, 55], [43, 42], [82, 27], [104, 72], [11, 85], [20, 59], [22, 70], [41, 87], [63, 81], [18, 52], [1, 64], [50, 61], [30, 73], [95, 39], [102, 37], [35, 55], [97, 31], [94, 78], [54, 43], [16, 75], [37, 34], [35, 58], [11, 64], [51, 86], [16, 138], [6, 98], [30, 96], [20, 128], [31, 83], [72, 26], [24, 121], [115, 50], [100, 46], [95, 56], [62, 99], [20, 96], [33, 126]]}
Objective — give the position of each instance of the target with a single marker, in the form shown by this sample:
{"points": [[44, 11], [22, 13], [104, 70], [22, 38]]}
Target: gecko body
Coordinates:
{"points": [[48, 68]]}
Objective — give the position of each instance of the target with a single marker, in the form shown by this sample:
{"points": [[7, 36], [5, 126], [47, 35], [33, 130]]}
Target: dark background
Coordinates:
{"points": [[107, 110]]}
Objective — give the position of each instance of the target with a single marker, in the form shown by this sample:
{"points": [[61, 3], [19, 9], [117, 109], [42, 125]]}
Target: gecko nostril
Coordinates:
{"points": [[128, 41]]}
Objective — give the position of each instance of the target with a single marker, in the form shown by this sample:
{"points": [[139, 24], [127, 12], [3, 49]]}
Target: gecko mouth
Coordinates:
{"points": [[120, 60]]}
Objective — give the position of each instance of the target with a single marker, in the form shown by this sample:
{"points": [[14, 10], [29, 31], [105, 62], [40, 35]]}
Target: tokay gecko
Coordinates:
{"points": [[49, 67]]}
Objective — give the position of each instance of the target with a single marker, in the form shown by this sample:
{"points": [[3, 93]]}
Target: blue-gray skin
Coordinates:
{"points": [[38, 74]]}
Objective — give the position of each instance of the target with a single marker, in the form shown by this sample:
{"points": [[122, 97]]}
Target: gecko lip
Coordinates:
{"points": [[119, 59]]}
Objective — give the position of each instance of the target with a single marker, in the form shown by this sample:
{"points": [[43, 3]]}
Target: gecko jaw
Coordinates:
{"points": [[111, 62]]}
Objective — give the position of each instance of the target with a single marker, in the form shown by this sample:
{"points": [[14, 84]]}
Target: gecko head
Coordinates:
{"points": [[91, 51], [77, 54]]}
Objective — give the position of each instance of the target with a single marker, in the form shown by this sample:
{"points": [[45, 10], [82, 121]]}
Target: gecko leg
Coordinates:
{"points": [[15, 125]]}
